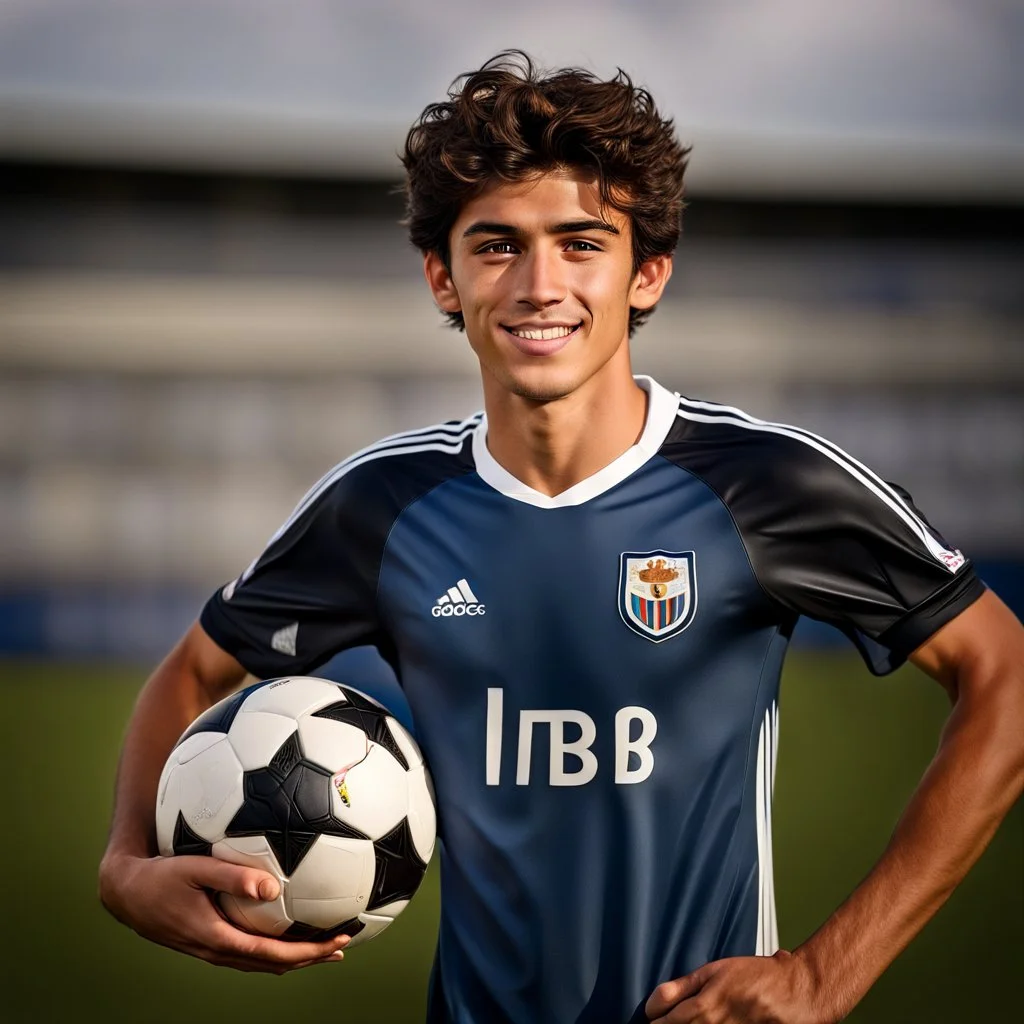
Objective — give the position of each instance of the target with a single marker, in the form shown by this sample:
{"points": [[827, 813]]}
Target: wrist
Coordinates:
{"points": [[821, 994], [116, 871]]}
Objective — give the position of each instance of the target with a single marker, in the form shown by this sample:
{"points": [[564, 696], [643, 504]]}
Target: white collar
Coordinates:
{"points": [[661, 414]]}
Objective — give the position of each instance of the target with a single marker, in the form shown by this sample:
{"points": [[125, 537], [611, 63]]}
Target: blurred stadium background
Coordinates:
{"points": [[206, 301]]}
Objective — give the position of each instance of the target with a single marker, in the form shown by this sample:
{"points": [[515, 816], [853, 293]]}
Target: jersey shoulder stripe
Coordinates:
{"points": [[712, 412], [449, 437], [447, 433]]}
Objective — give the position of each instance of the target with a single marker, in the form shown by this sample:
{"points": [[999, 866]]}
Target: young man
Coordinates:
{"points": [[601, 719]]}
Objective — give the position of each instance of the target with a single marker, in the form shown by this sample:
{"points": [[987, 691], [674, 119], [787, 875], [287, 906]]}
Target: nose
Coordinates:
{"points": [[541, 279]]}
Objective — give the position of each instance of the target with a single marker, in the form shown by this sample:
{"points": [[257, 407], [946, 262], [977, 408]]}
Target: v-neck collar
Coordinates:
{"points": [[662, 406]]}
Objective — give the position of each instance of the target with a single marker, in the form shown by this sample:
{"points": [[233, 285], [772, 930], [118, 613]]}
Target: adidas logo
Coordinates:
{"points": [[459, 600], [283, 641]]}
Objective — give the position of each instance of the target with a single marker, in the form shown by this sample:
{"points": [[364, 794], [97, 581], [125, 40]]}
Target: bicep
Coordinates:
{"points": [[216, 671], [982, 647]]}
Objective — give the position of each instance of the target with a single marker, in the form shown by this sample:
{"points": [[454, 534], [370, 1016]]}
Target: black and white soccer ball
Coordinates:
{"points": [[316, 783]]}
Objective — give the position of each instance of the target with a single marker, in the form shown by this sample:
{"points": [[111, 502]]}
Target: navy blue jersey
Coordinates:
{"points": [[594, 677]]}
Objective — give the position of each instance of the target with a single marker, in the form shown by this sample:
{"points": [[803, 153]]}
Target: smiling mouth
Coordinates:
{"points": [[544, 334]]}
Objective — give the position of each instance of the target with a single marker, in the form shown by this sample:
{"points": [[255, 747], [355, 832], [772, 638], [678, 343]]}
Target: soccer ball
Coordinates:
{"points": [[316, 783]]}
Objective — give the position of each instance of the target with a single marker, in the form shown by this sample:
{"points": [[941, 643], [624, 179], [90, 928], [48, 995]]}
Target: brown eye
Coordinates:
{"points": [[501, 248]]}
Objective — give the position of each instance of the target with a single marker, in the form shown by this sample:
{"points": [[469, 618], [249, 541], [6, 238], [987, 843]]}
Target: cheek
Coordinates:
{"points": [[605, 291], [477, 294]]}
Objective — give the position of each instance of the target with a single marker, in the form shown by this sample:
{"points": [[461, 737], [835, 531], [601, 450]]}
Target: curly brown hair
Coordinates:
{"points": [[508, 121]]}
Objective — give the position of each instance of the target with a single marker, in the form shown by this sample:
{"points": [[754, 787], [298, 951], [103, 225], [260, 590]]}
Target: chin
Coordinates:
{"points": [[547, 386]]}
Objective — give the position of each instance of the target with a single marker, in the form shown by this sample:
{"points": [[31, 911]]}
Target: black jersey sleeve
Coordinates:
{"points": [[829, 539], [310, 594], [313, 591]]}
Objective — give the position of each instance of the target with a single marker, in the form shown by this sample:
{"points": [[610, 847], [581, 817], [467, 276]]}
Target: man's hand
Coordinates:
{"points": [[168, 900], [777, 989]]}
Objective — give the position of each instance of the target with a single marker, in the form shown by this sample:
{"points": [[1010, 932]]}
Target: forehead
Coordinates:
{"points": [[552, 197]]}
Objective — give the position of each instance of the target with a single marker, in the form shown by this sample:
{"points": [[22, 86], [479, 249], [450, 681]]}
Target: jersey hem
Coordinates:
{"points": [[223, 638], [927, 618]]}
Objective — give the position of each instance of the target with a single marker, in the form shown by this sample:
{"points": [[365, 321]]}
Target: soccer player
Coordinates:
{"points": [[586, 593]]}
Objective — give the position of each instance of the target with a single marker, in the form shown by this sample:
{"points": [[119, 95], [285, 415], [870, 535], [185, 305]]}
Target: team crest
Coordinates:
{"points": [[657, 592]]}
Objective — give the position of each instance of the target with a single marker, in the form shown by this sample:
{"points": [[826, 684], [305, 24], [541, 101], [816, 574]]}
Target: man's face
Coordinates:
{"points": [[544, 279]]}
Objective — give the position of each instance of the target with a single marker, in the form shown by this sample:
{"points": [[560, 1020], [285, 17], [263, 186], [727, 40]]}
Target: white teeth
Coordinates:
{"points": [[545, 335]]}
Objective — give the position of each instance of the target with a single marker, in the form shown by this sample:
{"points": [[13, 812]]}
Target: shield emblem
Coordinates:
{"points": [[657, 592]]}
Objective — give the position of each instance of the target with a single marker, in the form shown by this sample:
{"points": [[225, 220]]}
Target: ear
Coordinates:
{"points": [[649, 281], [439, 280]]}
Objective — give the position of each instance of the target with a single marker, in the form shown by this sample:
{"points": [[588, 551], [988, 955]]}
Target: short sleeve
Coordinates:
{"points": [[313, 592], [310, 594], [836, 543], [825, 536]]}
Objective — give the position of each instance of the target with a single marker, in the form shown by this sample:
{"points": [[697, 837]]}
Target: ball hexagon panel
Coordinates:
{"points": [[192, 744], [391, 910], [364, 712], [371, 795], [250, 852], [422, 816], [167, 808], [334, 867], [256, 735], [315, 896], [207, 792], [335, 745], [167, 800], [301, 695], [254, 915]]}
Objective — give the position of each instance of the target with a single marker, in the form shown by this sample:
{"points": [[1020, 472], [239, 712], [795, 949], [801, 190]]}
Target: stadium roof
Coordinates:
{"points": [[849, 98]]}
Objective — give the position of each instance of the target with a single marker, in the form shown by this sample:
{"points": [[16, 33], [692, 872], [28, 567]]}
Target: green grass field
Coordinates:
{"points": [[852, 748]]}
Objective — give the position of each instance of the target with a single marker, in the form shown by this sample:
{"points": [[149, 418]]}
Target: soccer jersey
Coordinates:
{"points": [[594, 677]]}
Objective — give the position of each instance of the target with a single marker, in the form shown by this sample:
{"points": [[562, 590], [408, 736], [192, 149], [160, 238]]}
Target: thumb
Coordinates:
{"points": [[670, 993], [250, 883]]}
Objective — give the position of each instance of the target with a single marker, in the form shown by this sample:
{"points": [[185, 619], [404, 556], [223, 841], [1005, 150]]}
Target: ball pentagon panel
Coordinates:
{"points": [[399, 868]]}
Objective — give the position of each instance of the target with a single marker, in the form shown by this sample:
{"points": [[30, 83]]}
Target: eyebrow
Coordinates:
{"points": [[487, 227]]}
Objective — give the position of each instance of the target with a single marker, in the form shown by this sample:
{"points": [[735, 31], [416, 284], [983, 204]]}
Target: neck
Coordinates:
{"points": [[551, 446]]}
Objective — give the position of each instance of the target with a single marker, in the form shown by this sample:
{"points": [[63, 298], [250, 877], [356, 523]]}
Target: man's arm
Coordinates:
{"points": [[974, 779], [167, 899]]}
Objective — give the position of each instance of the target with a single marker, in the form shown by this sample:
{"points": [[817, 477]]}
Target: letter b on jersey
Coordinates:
{"points": [[571, 761], [559, 747]]}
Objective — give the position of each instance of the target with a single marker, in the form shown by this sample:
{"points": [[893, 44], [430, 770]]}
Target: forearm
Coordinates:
{"points": [[187, 682], [973, 781]]}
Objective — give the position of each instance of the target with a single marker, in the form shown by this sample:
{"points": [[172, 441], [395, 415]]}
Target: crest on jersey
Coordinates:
{"points": [[657, 592]]}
